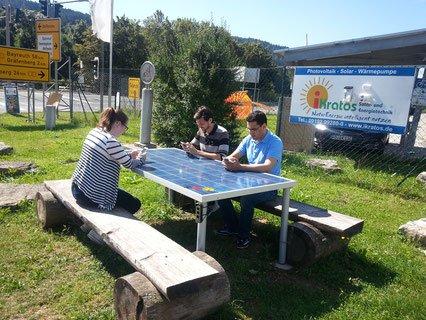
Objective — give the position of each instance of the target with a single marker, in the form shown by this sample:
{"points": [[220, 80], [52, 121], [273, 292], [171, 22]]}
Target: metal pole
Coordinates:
{"points": [[71, 98], [33, 87], [201, 229], [56, 76], [110, 56], [101, 76], [44, 97], [29, 101], [282, 255], [47, 8], [8, 23], [146, 116]]}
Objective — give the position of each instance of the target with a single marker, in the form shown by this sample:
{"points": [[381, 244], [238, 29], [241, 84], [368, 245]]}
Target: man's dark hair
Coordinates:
{"points": [[258, 116], [203, 112]]}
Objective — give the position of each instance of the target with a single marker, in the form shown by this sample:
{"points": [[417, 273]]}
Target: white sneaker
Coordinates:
{"points": [[96, 238], [85, 228]]}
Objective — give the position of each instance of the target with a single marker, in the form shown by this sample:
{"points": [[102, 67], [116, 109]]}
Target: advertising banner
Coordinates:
{"points": [[363, 98]]}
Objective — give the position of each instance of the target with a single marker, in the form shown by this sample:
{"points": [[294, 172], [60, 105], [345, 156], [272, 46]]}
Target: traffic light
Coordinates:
{"points": [[95, 68], [57, 10], [44, 5]]}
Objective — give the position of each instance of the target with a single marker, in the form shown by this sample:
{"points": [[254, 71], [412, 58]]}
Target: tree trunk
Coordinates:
{"points": [[137, 298], [51, 213], [306, 244]]}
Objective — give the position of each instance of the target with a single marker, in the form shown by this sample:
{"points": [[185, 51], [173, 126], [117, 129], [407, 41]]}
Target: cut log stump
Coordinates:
{"points": [[137, 298], [51, 213], [307, 244]]}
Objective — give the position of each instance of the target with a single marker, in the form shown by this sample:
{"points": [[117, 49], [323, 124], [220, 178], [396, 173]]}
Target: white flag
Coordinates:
{"points": [[100, 11]]}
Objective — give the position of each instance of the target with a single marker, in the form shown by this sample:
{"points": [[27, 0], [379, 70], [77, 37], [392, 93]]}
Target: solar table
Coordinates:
{"points": [[205, 180]]}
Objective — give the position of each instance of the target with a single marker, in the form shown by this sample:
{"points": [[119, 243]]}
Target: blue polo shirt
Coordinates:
{"points": [[258, 151]]}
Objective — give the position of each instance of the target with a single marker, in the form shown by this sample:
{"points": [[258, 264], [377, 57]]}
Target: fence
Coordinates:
{"points": [[403, 155]]}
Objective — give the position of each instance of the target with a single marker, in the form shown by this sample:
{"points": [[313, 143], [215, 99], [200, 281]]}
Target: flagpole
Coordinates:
{"points": [[110, 55]]}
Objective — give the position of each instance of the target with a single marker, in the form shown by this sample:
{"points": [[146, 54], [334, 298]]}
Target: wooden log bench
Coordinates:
{"points": [[316, 232], [169, 283]]}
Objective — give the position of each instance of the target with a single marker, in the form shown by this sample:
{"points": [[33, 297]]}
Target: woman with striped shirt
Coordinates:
{"points": [[95, 180]]}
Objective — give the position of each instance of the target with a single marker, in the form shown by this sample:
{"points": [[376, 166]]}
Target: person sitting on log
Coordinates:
{"points": [[95, 179], [263, 150]]}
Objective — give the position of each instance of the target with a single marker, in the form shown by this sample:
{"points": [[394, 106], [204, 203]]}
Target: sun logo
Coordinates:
{"points": [[314, 94]]}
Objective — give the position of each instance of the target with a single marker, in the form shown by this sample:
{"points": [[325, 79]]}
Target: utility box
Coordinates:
{"points": [[296, 137], [50, 111]]}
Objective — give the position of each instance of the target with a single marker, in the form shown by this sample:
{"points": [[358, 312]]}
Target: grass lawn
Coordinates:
{"points": [[59, 274]]}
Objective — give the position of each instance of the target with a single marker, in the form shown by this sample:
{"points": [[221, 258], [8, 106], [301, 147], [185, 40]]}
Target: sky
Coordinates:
{"points": [[286, 22]]}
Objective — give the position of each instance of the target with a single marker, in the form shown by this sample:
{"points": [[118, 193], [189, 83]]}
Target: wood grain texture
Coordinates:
{"points": [[136, 298], [171, 268], [50, 212], [323, 219]]}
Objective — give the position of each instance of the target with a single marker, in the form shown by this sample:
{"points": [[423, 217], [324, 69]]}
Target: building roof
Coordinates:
{"points": [[402, 48]]}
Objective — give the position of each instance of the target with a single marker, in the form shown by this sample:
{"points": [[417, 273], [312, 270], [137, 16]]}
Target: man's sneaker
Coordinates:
{"points": [[96, 238], [85, 228], [243, 243], [226, 232]]}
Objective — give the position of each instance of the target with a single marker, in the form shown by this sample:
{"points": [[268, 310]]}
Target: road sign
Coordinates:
{"points": [[24, 65], [147, 72], [49, 37], [134, 88]]}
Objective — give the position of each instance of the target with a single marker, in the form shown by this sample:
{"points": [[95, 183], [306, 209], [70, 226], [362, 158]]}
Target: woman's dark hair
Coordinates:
{"points": [[258, 116], [109, 116], [203, 112]]}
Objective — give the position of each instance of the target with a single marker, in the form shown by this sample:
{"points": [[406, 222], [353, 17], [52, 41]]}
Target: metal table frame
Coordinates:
{"points": [[203, 199]]}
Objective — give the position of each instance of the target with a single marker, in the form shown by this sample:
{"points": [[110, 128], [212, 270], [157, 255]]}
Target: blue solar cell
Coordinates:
{"points": [[202, 176]]}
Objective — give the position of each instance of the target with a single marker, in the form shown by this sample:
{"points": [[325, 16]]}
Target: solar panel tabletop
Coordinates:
{"points": [[202, 179]]}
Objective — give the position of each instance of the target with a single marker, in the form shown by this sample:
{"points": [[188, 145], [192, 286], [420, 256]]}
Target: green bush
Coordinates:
{"points": [[193, 65]]}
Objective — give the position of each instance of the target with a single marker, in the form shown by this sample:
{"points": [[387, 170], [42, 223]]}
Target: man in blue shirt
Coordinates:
{"points": [[263, 150]]}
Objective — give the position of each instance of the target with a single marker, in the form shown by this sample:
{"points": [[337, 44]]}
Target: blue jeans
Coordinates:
{"points": [[243, 224], [124, 200]]}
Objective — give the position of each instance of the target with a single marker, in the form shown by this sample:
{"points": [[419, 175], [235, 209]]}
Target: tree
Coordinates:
{"points": [[25, 35], [130, 48], [193, 62]]}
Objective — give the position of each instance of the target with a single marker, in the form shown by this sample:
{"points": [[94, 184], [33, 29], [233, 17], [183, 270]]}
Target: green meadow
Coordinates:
{"points": [[60, 274]]}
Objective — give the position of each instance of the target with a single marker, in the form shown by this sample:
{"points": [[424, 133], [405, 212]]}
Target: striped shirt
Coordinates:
{"points": [[217, 141], [98, 169]]}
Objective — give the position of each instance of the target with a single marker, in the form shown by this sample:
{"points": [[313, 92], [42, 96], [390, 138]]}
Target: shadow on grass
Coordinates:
{"points": [[39, 127], [258, 289]]}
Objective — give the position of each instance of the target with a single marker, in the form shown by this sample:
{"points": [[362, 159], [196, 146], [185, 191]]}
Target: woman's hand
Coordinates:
{"points": [[134, 154]]}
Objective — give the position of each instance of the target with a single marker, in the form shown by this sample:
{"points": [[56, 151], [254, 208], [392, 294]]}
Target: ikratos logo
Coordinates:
{"points": [[315, 94]]}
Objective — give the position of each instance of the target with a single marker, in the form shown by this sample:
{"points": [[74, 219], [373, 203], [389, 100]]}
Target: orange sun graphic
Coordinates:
{"points": [[314, 92]]}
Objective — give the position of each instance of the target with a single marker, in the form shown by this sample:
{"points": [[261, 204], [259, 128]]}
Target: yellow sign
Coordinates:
{"points": [[49, 37], [24, 65], [134, 88]]}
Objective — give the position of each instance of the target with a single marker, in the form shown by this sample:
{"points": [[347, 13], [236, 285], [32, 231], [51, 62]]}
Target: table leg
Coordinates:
{"points": [[283, 232], [201, 228]]}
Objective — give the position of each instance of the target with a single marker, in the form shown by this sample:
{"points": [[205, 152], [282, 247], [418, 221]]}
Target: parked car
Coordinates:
{"points": [[327, 137]]}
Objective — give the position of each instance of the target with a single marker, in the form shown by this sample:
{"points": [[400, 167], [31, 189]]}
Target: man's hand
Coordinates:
{"points": [[231, 164], [189, 147]]}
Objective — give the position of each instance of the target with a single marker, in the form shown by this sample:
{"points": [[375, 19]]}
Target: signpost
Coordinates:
{"points": [[134, 88], [24, 65], [49, 37], [147, 76]]}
